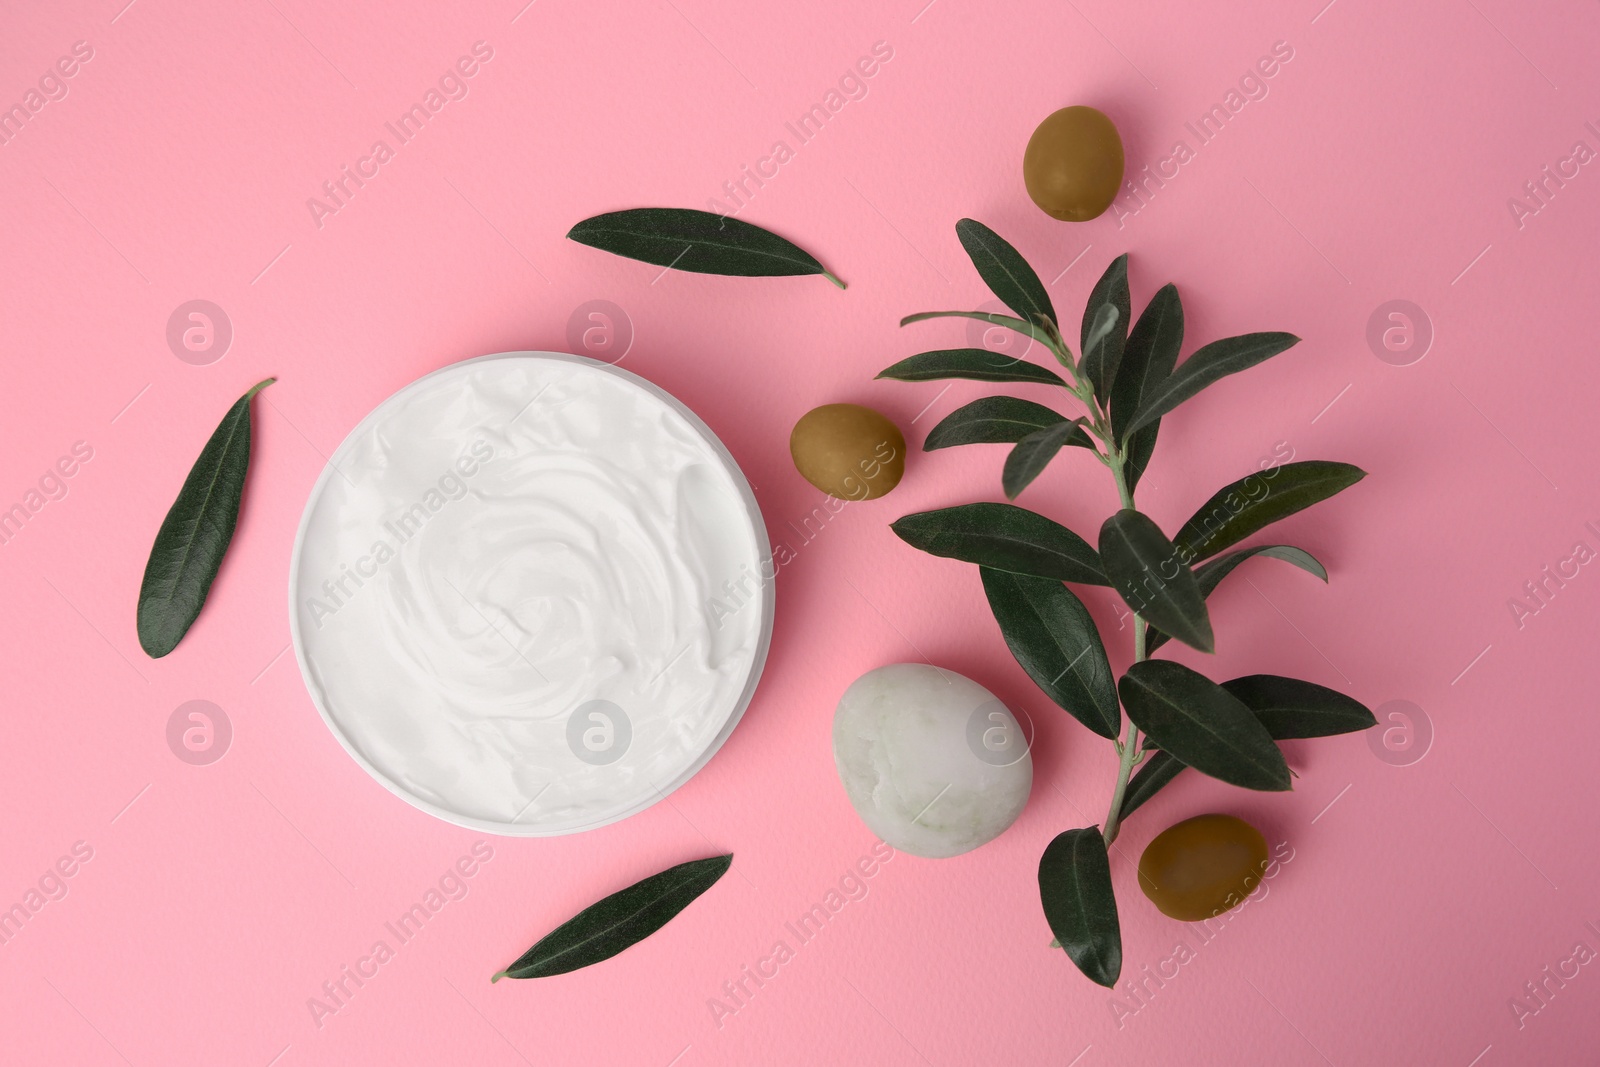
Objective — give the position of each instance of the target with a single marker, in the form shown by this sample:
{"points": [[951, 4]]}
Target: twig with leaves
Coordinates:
{"points": [[1125, 382]]}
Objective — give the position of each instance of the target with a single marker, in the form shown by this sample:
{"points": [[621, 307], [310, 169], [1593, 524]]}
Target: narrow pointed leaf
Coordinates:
{"points": [[1100, 365], [1100, 335], [1202, 725], [1080, 904], [1216, 360], [1145, 568], [1004, 537], [195, 535], [1236, 511], [1005, 272], [1050, 633], [1148, 357], [1141, 447], [976, 364], [1291, 708], [1287, 707], [699, 241], [1035, 451], [626, 917], [1210, 575], [1159, 769], [1010, 322], [992, 420]]}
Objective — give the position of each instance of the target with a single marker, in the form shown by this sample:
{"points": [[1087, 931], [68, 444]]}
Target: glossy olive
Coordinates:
{"points": [[1073, 164], [848, 451], [1202, 866]]}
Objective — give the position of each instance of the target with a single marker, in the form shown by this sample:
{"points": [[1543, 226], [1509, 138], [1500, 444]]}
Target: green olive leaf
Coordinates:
{"points": [[1288, 708], [1147, 359], [195, 535], [993, 318], [1159, 769], [1080, 904], [1034, 452], [1052, 636], [1216, 360], [976, 364], [991, 420], [1151, 353], [624, 918], [1005, 272], [1209, 575], [1236, 511], [1145, 568], [1103, 336], [703, 242], [1291, 708], [1004, 537], [1202, 725], [1141, 448]]}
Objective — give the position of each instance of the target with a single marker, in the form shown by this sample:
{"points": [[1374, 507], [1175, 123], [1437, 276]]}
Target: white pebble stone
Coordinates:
{"points": [[931, 761]]}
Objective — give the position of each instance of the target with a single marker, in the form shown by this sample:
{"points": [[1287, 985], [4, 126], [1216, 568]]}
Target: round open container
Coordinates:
{"points": [[531, 593]]}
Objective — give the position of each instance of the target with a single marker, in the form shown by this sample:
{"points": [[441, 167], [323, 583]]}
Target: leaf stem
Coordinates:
{"points": [[828, 274]]}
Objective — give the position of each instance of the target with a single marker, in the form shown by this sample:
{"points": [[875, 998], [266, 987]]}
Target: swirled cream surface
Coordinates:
{"points": [[529, 594]]}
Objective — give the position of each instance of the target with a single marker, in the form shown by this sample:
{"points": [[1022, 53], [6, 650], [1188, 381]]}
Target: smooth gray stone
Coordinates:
{"points": [[931, 761]]}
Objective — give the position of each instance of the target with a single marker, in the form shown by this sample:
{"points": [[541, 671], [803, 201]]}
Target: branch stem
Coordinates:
{"points": [[1116, 459]]}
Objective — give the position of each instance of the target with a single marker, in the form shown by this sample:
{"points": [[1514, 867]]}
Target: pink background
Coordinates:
{"points": [[1419, 899]]}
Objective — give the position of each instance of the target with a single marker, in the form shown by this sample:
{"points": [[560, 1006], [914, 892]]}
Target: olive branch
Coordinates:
{"points": [[1125, 382]]}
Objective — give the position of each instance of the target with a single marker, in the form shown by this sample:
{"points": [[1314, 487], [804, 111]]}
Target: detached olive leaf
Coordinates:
{"points": [[1080, 905], [1035, 451], [1216, 360], [1210, 575], [1010, 322], [1255, 501], [1202, 725], [992, 420], [1050, 633], [1291, 708], [1005, 272], [1003, 537], [195, 535], [1159, 769], [976, 364], [699, 241], [626, 917], [1100, 360], [1144, 567]]}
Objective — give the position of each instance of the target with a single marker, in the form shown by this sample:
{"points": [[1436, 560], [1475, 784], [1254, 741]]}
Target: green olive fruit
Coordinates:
{"points": [[1202, 866], [848, 451], [1073, 164]]}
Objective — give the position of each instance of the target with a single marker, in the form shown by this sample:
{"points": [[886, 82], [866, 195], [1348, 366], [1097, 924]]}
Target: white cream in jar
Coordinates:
{"points": [[531, 594]]}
